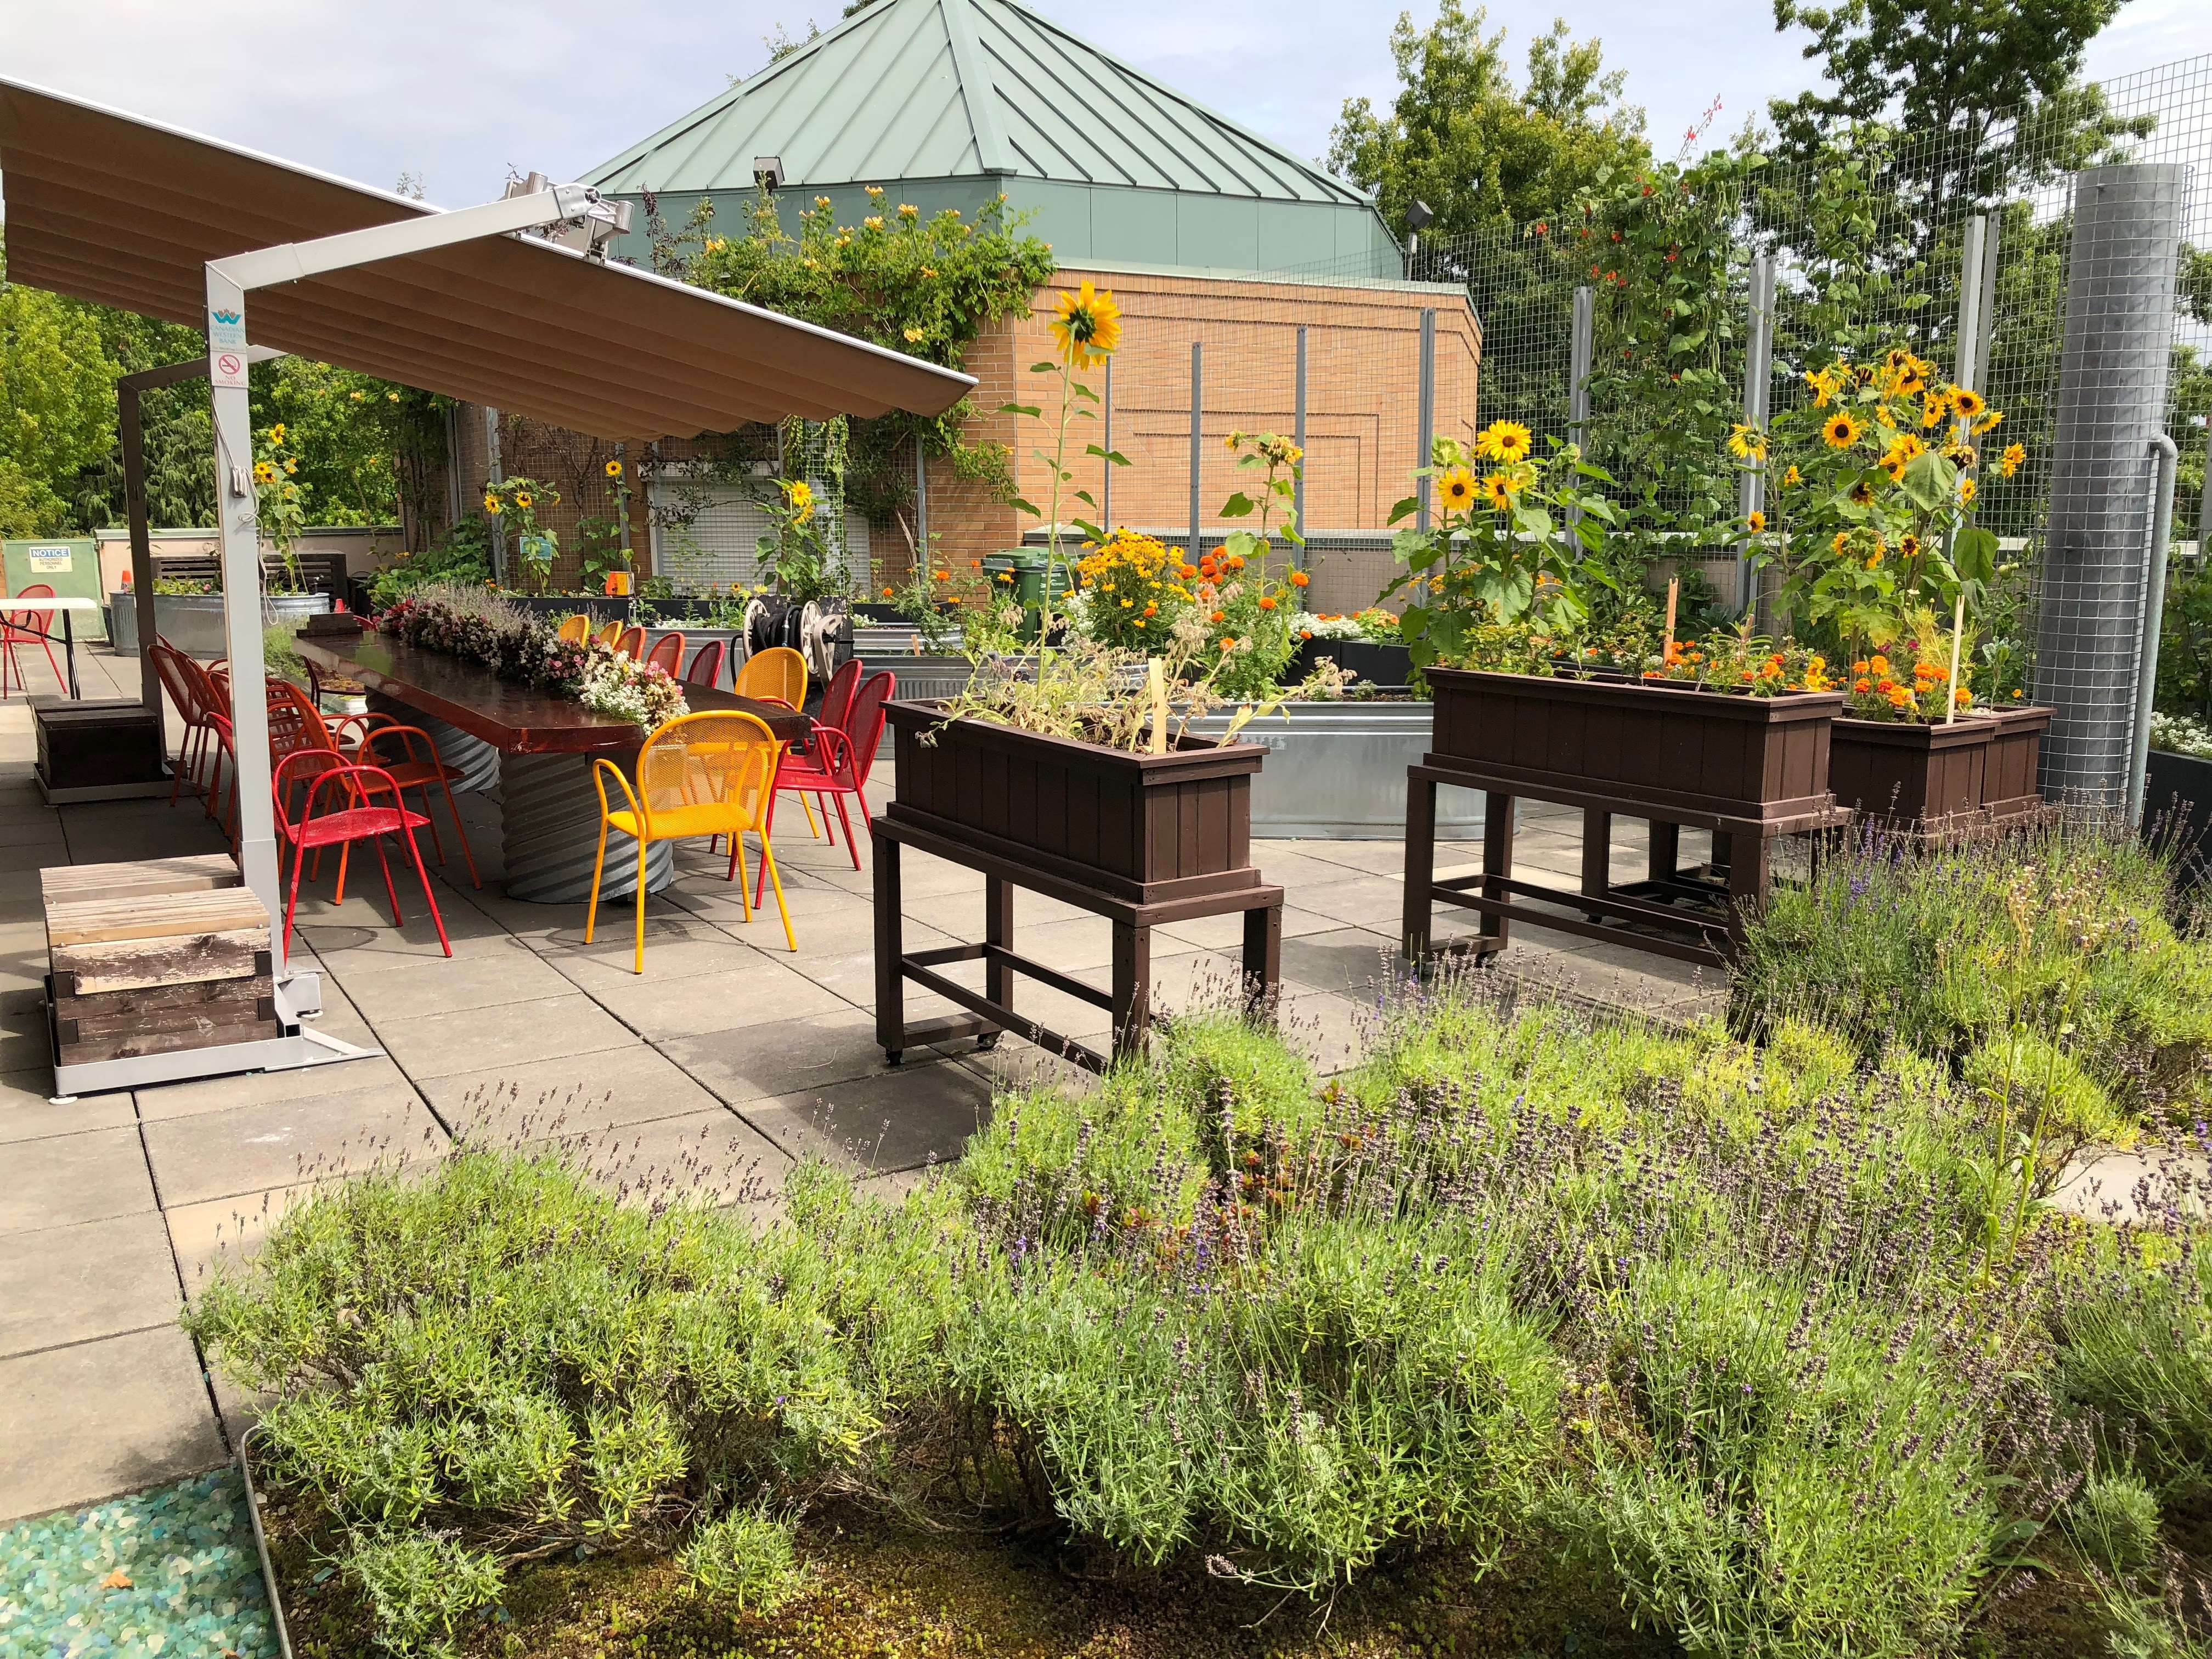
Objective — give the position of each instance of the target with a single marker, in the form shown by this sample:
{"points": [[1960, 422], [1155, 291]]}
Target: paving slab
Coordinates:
{"points": [[27, 1111], [62, 1284], [482, 980], [712, 1157], [782, 1057], [759, 993], [63, 1179], [85, 1422], [218, 1094], [223, 1233], [902, 1119], [251, 1149], [441, 1045], [510, 1105]]}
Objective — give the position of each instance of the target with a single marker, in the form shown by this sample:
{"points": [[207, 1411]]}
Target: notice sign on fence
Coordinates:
{"points": [[50, 560]]}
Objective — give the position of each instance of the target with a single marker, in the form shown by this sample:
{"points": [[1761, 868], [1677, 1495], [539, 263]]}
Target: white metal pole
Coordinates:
{"points": [[239, 531]]}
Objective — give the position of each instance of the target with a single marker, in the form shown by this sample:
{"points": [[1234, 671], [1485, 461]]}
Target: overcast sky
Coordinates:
{"points": [[458, 90]]}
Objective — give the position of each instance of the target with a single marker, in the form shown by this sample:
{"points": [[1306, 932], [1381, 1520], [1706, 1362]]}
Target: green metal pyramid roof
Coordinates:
{"points": [[954, 88]]}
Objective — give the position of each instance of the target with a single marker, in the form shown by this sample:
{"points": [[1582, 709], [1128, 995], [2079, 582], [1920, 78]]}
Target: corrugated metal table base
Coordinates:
{"points": [[551, 814], [476, 761]]}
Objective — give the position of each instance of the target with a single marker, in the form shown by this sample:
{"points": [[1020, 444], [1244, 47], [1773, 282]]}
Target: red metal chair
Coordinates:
{"points": [[843, 757], [666, 653], [705, 667], [630, 643], [354, 817], [419, 769], [27, 627]]}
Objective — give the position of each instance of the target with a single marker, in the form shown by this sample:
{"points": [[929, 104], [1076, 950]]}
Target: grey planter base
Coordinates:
{"points": [[551, 818], [193, 622], [476, 761], [1336, 771]]}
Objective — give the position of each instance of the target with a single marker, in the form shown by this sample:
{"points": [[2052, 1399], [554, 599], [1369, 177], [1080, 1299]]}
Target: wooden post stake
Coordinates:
{"points": [[1958, 629], [1673, 595], [1157, 684]]}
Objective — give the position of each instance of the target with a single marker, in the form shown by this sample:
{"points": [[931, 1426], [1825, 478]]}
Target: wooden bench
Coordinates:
{"points": [[153, 956]]}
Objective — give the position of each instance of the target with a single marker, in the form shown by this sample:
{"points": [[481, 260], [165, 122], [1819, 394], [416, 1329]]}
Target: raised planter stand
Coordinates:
{"points": [[2178, 812], [1142, 840], [1961, 778], [1749, 769]]}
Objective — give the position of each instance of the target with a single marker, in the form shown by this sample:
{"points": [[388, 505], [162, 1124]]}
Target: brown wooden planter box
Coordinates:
{"points": [[1661, 747], [1142, 828], [1964, 774]]}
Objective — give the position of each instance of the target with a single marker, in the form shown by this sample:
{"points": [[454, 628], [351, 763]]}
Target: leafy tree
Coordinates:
{"points": [[1462, 136], [57, 402]]}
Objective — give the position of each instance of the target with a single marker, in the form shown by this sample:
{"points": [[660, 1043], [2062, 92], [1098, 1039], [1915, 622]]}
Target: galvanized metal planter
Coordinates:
{"points": [[1336, 771], [193, 622]]}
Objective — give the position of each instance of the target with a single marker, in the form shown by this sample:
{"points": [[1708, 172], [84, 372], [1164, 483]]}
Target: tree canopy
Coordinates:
{"points": [[1478, 148]]}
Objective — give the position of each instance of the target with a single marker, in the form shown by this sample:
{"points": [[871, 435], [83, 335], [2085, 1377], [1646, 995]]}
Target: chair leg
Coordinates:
{"points": [[392, 892], [292, 904], [813, 829], [428, 897], [642, 844], [599, 864], [768, 858], [767, 826], [460, 829], [59, 680], [851, 846], [437, 843]]}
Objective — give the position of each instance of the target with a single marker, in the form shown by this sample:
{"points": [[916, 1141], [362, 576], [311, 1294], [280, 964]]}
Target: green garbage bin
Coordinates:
{"points": [[1029, 567]]}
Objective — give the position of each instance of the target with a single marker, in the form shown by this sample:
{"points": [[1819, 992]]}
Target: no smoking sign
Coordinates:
{"points": [[227, 369]]}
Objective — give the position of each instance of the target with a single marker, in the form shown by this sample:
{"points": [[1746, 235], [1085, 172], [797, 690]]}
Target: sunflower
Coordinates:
{"points": [[264, 473], [1968, 403], [1863, 493], [1793, 477], [1842, 430], [522, 499], [1906, 446], [1825, 383], [1089, 325], [614, 469], [2009, 462], [1505, 441], [1757, 522], [800, 495], [1746, 443], [1931, 410], [492, 503], [1908, 546], [1457, 488], [291, 464], [1499, 488], [1967, 492]]}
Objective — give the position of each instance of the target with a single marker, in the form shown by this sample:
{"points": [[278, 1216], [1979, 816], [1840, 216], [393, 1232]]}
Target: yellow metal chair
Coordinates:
{"points": [[610, 634], [701, 774], [576, 629], [775, 674]]}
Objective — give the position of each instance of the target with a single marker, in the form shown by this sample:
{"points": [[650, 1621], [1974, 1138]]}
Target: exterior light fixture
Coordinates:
{"points": [[767, 173]]}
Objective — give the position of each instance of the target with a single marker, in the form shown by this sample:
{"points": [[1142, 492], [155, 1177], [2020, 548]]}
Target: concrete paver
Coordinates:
{"points": [[86, 1422], [249, 1149], [87, 1176], [63, 1284]]}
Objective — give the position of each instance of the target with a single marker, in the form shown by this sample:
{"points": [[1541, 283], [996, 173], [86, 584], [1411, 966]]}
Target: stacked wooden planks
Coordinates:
{"points": [[156, 956]]}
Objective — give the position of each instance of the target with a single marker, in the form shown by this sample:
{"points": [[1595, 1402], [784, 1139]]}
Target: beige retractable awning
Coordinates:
{"points": [[108, 207]]}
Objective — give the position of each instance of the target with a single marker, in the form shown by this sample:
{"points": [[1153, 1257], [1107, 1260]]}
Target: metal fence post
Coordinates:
{"points": [[497, 469], [1197, 441], [1426, 439], [1580, 347], [1106, 443], [1758, 384], [1298, 437], [2114, 360], [922, 495]]}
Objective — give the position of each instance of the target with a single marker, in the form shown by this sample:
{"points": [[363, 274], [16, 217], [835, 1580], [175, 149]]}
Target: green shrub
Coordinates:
{"points": [[2135, 1347], [749, 1558], [419, 1586]]}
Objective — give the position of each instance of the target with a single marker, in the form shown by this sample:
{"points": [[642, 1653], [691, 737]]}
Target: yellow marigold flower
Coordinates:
{"points": [[929, 270], [1842, 431], [357, 397], [873, 190], [1089, 325], [1505, 441], [392, 396], [909, 211], [873, 222], [1498, 487], [913, 336], [1456, 489]]}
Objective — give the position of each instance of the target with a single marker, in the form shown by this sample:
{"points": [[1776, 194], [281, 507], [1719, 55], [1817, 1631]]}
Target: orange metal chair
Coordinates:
{"points": [[775, 674], [631, 644], [666, 654], [610, 634], [577, 628], [179, 677], [701, 774], [706, 665]]}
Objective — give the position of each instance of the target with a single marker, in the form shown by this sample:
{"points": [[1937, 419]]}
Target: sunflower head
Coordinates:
{"points": [[1505, 441], [1968, 403], [1089, 326], [1967, 492], [1756, 522], [1497, 488], [492, 503], [522, 498], [1862, 492], [1842, 431], [264, 473], [1456, 489], [614, 469], [800, 495], [1746, 443]]}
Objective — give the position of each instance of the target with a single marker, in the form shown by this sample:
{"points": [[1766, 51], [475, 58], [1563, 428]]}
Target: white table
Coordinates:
{"points": [[68, 607]]}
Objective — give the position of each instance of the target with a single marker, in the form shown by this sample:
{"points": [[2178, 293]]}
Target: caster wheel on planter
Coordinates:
{"points": [[892, 1056], [987, 1041]]}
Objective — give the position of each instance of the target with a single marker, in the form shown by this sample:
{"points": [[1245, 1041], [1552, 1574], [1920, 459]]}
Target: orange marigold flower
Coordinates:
{"points": [[1267, 602], [1299, 578], [1218, 615], [1862, 685]]}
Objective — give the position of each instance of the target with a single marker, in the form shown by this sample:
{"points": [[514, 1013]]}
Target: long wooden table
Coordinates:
{"points": [[540, 749]]}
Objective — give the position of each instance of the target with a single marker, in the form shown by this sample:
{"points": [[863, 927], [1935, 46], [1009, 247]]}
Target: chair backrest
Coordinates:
{"points": [[721, 758], [30, 618], [611, 633], [705, 667], [777, 673], [630, 643], [864, 723], [295, 722], [577, 628], [666, 654], [184, 686], [837, 695]]}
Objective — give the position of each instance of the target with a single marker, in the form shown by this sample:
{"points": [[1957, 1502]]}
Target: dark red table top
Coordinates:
{"points": [[511, 719]]}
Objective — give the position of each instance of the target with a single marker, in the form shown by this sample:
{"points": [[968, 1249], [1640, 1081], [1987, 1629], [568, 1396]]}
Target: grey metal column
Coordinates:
{"points": [[1757, 386], [1426, 433], [475, 760], [1197, 406], [2113, 367], [497, 469], [1298, 437], [1580, 347], [131, 423], [921, 492]]}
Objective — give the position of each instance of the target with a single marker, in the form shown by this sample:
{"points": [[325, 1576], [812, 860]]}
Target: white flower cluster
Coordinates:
{"points": [[2178, 734], [629, 690]]}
